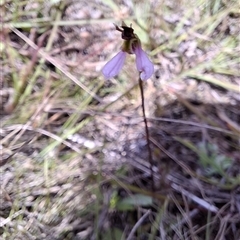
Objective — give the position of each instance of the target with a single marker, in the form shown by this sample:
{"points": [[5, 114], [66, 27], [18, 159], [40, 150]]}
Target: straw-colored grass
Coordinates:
{"points": [[74, 160]]}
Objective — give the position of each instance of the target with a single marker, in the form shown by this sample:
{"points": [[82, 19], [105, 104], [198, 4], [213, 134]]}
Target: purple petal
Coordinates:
{"points": [[144, 65], [113, 67]]}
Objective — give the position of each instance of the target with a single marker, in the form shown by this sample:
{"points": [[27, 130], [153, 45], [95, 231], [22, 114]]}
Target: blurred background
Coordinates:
{"points": [[74, 160]]}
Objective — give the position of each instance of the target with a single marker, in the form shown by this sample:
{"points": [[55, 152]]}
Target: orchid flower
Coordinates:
{"points": [[131, 45]]}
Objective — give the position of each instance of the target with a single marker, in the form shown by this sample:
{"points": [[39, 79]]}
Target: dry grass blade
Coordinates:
{"points": [[74, 159], [56, 64]]}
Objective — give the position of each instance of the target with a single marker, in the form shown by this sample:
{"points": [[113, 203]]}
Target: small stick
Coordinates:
{"points": [[139, 222]]}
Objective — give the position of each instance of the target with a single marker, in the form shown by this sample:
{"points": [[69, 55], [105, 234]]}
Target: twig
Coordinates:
{"points": [[139, 222], [201, 202]]}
